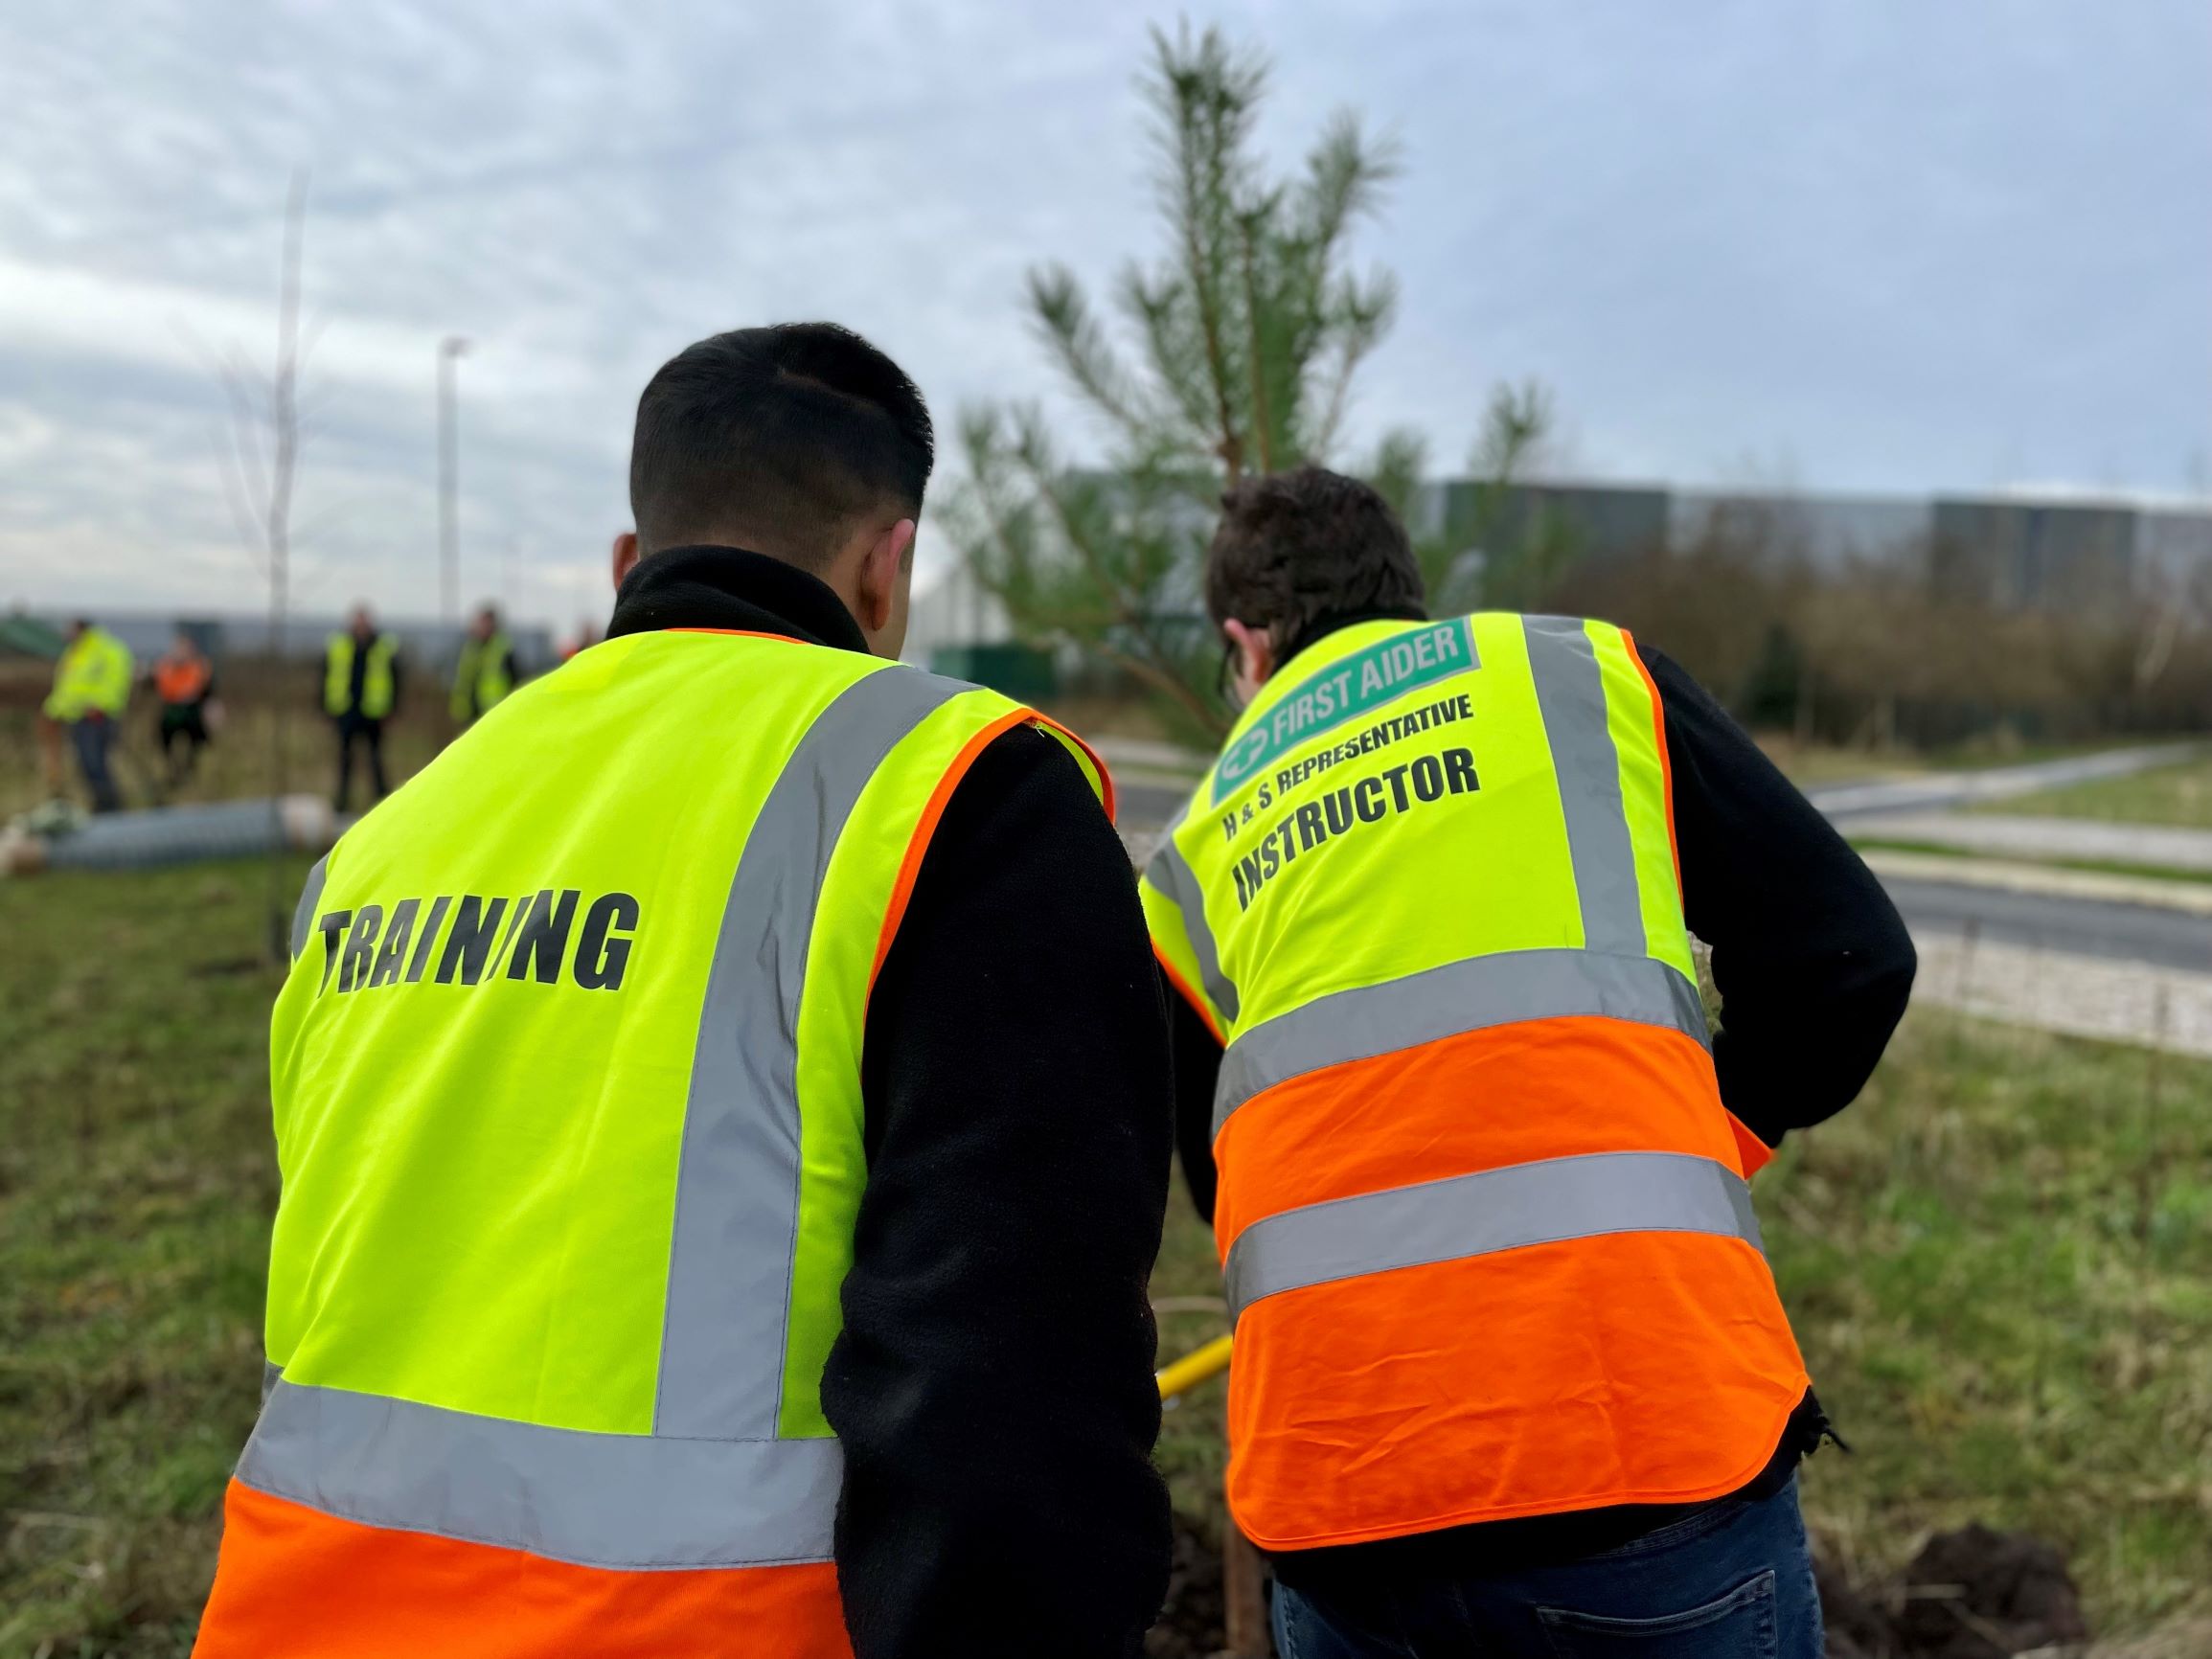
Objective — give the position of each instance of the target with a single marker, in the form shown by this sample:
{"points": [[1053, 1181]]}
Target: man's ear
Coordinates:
{"points": [[1255, 653], [881, 566], [626, 556]]}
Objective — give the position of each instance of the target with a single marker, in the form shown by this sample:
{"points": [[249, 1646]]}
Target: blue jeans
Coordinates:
{"points": [[1732, 1582], [92, 736]]}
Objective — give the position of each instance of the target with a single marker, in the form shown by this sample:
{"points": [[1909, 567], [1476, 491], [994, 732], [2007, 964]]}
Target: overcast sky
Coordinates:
{"points": [[1891, 246]]}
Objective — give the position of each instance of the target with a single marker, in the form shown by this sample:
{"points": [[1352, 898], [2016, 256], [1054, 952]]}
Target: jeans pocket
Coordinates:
{"points": [[1739, 1626]]}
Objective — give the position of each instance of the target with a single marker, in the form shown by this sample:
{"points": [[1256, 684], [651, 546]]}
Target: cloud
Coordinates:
{"points": [[1906, 247]]}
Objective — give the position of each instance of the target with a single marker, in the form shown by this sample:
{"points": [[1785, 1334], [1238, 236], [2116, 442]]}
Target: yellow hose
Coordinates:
{"points": [[1195, 1367]]}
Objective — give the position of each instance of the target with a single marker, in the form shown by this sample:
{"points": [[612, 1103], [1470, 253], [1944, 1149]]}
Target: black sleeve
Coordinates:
{"points": [[398, 678], [1197, 1064], [994, 1382], [1811, 958]]}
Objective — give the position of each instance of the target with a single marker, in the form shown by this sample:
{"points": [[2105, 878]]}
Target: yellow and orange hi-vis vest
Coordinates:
{"points": [[567, 1093], [1483, 1217]]}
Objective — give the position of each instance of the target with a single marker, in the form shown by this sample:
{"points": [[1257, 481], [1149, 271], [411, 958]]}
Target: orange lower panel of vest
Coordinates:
{"points": [[1512, 1094], [293, 1581], [1629, 1368]]}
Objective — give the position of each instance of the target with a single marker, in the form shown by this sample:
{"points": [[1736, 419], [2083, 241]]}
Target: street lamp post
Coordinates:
{"points": [[449, 351]]}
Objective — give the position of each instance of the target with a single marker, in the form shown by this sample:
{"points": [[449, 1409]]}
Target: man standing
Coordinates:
{"points": [[1511, 1376], [91, 689], [183, 682], [360, 690], [486, 669], [723, 1109]]}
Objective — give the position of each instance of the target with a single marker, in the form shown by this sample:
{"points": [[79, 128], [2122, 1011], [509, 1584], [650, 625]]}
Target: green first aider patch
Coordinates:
{"points": [[1367, 679]]}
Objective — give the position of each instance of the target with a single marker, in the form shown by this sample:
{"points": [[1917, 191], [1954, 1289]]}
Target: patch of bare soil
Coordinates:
{"points": [[1972, 1594], [1192, 1625]]}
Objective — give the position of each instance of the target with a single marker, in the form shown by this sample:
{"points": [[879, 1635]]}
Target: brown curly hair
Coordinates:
{"points": [[1300, 551]]}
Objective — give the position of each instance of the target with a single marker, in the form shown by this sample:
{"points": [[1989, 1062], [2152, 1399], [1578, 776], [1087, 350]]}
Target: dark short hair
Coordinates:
{"points": [[1298, 551], [779, 439]]}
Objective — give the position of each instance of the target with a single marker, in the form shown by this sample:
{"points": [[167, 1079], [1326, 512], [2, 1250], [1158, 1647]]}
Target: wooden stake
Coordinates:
{"points": [[1243, 1597]]}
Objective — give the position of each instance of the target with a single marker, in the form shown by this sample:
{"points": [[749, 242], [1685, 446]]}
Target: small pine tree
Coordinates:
{"points": [[1248, 335], [1237, 353]]}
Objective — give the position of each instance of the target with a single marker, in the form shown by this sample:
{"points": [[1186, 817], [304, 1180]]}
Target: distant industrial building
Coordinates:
{"points": [[2016, 551]]}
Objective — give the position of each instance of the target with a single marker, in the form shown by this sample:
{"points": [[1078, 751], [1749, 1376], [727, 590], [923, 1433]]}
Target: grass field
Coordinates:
{"points": [[136, 1182], [2179, 796], [242, 760], [1999, 1263]]}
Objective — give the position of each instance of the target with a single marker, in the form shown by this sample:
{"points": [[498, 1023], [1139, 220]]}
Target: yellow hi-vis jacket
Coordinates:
{"points": [[379, 688], [481, 678], [1482, 1217], [568, 1108], [92, 675]]}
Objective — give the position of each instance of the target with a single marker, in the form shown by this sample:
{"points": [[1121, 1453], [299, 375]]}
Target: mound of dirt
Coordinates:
{"points": [[1858, 1628], [1972, 1594]]}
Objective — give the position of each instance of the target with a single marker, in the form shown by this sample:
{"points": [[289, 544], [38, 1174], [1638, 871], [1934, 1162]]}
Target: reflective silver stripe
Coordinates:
{"points": [[1522, 1204], [736, 1209], [597, 1500], [1170, 873], [1442, 1002], [310, 898], [1571, 690], [271, 1375]]}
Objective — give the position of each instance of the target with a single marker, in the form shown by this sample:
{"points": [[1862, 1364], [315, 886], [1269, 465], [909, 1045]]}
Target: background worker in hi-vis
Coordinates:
{"points": [[724, 1114], [1512, 1375]]}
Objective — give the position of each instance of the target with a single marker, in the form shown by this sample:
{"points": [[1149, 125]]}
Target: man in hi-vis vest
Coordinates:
{"points": [[724, 1116], [1510, 1373], [361, 684], [487, 670]]}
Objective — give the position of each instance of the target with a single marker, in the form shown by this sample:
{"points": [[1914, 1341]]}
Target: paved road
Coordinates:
{"points": [[2137, 933], [1146, 807], [1937, 791], [2011, 836]]}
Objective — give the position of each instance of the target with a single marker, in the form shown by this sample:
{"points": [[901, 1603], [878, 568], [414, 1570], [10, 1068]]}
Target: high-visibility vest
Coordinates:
{"points": [[568, 1110], [182, 677], [92, 674], [378, 689], [1483, 1218], [481, 677]]}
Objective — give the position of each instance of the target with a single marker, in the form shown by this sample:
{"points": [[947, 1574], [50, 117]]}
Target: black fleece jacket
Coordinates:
{"points": [[1813, 966], [993, 1387]]}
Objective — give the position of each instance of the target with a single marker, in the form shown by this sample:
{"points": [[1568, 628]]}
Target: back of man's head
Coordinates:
{"points": [[1299, 551], [784, 439]]}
